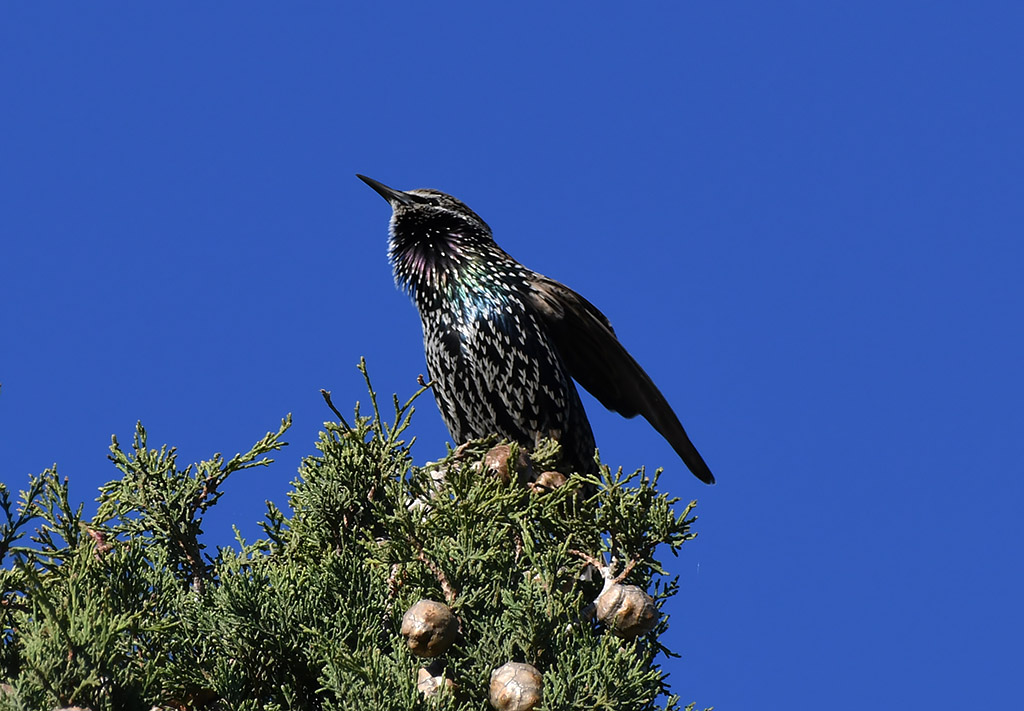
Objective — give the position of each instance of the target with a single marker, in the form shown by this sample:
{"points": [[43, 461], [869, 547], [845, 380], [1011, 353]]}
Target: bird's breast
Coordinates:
{"points": [[469, 324]]}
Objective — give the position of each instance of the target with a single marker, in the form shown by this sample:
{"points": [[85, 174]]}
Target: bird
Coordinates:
{"points": [[504, 343]]}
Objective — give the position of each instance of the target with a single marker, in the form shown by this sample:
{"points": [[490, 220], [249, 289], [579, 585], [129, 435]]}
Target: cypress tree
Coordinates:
{"points": [[486, 579]]}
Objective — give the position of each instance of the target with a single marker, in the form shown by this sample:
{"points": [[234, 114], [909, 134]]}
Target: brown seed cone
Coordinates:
{"points": [[516, 687], [547, 481], [497, 462], [430, 685], [627, 610], [429, 628]]}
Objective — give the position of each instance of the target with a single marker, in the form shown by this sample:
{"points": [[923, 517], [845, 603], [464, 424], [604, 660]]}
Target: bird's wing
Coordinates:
{"points": [[597, 361]]}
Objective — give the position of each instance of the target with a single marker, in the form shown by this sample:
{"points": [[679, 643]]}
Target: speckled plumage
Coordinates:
{"points": [[503, 343]]}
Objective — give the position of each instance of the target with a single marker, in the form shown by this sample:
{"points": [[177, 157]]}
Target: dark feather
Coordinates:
{"points": [[597, 360]]}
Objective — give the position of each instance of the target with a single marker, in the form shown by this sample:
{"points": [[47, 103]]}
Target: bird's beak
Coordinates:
{"points": [[390, 194]]}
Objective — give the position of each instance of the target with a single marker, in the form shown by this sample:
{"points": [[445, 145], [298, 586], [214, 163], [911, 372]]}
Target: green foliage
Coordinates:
{"points": [[128, 611]]}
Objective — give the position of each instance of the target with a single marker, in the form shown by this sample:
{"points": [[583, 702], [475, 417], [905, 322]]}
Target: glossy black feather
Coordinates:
{"points": [[601, 364]]}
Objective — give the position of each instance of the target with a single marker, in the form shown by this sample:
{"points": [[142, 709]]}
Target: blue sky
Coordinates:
{"points": [[804, 219]]}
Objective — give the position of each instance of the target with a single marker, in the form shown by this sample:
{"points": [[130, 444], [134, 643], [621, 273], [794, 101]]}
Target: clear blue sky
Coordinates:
{"points": [[803, 218]]}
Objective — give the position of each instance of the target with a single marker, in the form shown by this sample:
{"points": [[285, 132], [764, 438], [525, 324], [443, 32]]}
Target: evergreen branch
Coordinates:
{"points": [[326, 394], [26, 510], [12, 604], [446, 586], [424, 387], [625, 572], [378, 424]]}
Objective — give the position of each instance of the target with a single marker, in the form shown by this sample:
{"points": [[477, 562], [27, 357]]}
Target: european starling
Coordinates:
{"points": [[504, 343]]}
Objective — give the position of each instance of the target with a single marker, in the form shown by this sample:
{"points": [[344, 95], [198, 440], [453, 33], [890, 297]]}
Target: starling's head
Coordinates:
{"points": [[435, 238], [425, 210]]}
